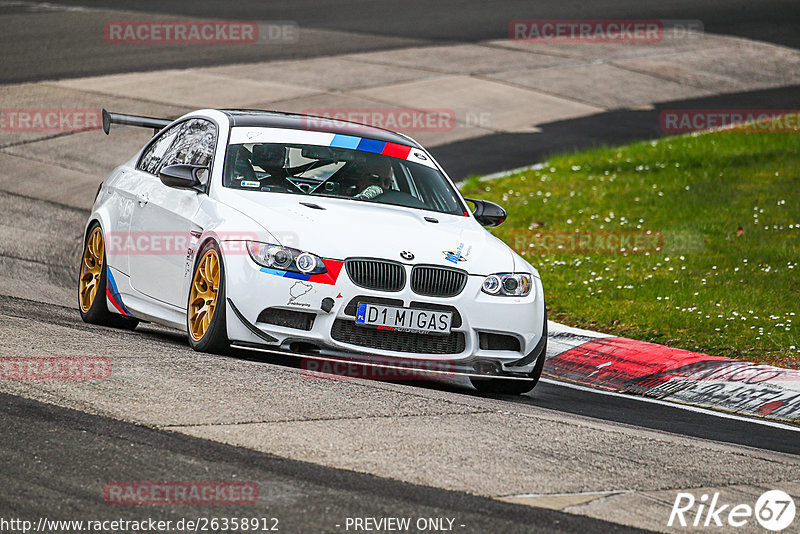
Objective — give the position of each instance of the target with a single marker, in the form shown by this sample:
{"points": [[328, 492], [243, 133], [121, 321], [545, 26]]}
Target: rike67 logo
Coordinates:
{"points": [[774, 510]]}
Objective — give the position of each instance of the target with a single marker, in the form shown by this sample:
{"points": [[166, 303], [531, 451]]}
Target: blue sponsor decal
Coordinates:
{"points": [[455, 257]]}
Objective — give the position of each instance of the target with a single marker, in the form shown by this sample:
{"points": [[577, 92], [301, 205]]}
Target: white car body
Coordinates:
{"points": [[153, 284]]}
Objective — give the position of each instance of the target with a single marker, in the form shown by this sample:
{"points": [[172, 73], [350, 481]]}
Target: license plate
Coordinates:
{"points": [[404, 319]]}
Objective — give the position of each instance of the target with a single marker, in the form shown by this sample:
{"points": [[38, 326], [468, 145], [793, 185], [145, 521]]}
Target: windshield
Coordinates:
{"points": [[338, 172]]}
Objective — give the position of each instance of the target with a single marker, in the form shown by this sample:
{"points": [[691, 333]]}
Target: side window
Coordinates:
{"points": [[154, 154], [190, 142]]}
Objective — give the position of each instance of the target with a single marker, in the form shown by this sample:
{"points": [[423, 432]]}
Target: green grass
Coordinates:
{"points": [[726, 280]]}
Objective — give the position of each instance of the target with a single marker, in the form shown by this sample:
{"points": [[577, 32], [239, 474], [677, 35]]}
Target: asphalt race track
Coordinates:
{"points": [[344, 26], [325, 450], [328, 29], [73, 445]]}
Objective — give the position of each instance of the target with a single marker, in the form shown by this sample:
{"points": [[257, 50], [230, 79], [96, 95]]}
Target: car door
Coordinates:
{"points": [[119, 198], [162, 227]]}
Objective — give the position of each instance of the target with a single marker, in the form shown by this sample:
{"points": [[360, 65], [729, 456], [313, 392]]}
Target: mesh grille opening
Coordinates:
{"points": [[347, 332], [379, 275], [433, 281], [498, 342], [288, 318]]}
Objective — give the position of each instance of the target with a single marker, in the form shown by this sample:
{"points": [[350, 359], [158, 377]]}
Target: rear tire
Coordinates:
{"points": [[500, 386], [205, 311], [92, 282]]}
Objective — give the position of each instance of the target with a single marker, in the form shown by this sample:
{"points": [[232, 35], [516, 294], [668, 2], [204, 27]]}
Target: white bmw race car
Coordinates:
{"points": [[274, 231]]}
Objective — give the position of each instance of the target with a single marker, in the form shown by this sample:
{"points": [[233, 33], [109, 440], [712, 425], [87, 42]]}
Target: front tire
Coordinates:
{"points": [[92, 283], [500, 386], [205, 312]]}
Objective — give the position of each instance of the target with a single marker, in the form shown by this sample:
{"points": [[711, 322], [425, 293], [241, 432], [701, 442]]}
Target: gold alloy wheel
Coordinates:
{"points": [[203, 295], [91, 269]]}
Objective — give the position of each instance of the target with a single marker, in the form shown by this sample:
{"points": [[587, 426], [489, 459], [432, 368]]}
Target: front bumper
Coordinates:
{"points": [[250, 290]]}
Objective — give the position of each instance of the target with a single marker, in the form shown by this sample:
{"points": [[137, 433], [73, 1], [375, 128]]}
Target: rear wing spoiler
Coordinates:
{"points": [[133, 120]]}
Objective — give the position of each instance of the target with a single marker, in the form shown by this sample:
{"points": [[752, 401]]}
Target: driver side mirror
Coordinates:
{"points": [[182, 176], [488, 213]]}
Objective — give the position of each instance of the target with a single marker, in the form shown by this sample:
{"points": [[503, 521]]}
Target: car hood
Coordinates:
{"points": [[342, 228]]}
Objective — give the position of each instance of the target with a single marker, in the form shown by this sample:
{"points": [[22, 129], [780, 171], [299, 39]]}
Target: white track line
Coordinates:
{"points": [[687, 407], [503, 174]]}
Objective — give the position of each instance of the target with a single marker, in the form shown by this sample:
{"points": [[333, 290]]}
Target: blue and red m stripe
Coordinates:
{"points": [[113, 294], [371, 145]]}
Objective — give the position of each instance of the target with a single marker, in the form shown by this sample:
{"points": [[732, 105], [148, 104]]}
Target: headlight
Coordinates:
{"points": [[285, 259], [492, 285], [306, 262], [508, 285]]}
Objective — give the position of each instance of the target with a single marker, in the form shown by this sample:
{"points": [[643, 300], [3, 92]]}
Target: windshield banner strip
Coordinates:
{"points": [[246, 135], [370, 145]]}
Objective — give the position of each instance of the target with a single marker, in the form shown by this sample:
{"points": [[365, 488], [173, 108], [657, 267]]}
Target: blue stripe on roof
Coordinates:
{"points": [[345, 141], [371, 145]]}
